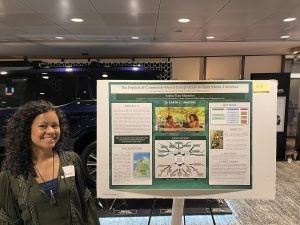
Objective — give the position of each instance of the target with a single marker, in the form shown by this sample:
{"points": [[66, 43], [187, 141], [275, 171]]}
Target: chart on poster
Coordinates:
{"points": [[229, 143], [184, 135]]}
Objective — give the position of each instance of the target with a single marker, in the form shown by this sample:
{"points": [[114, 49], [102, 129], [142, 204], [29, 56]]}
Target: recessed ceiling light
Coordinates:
{"points": [[135, 68], [3, 72], [42, 93], [45, 77], [44, 73], [210, 37], [60, 38], [104, 75], [290, 19], [77, 20], [135, 38], [295, 52], [284, 36], [184, 20]]}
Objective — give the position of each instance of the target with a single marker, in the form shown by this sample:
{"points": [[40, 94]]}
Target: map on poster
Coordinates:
{"points": [[180, 135]]}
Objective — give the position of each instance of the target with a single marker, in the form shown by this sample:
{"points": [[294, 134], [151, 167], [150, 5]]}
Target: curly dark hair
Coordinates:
{"points": [[18, 152], [168, 118], [194, 116]]}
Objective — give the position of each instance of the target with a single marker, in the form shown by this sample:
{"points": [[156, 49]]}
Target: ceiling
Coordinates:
{"points": [[241, 27]]}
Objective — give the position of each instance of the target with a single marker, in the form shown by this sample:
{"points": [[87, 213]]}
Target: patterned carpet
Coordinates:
{"points": [[284, 210]]}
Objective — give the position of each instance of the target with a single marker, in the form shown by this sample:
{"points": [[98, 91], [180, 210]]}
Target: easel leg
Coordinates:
{"points": [[177, 211]]}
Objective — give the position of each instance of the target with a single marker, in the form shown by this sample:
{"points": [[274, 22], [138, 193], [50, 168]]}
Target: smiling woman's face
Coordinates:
{"points": [[45, 131]]}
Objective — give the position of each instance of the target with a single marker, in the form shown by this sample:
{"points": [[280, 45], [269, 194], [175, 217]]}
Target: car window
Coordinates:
{"points": [[12, 92], [83, 91], [57, 88]]}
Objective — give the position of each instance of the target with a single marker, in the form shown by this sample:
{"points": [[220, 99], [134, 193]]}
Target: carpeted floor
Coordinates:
{"points": [[284, 210]]}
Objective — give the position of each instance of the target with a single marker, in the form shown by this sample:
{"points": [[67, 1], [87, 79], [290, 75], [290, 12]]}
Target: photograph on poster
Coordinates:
{"points": [[216, 139], [180, 118], [180, 158], [141, 164]]}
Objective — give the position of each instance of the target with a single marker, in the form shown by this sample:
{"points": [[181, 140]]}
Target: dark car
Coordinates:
{"points": [[73, 90]]}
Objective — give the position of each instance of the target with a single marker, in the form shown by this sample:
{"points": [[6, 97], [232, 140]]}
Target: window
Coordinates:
{"points": [[58, 88], [12, 92]]}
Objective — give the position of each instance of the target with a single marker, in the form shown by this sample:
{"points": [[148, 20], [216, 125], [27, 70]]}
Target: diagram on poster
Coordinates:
{"points": [[180, 158]]}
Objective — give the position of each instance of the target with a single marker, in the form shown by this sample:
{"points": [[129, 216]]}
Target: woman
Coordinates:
{"points": [[194, 122], [39, 183], [170, 122]]}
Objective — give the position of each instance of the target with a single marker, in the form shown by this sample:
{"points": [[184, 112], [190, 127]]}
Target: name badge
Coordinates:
{"points": [[69, 171]]}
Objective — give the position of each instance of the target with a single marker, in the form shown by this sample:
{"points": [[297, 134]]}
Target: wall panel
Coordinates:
{"points": [[223, 68], [262, 64]]}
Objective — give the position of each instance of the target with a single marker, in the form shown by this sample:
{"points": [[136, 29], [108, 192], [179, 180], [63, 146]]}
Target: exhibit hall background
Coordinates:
{"points": [[197, 68]]}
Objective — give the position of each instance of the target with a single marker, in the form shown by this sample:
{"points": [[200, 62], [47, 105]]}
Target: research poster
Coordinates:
{"points": [[180, 135]]}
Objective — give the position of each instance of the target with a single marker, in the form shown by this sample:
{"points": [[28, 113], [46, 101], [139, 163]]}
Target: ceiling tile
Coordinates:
{"points": [[291, 9], [131, 19], [96, 37], [266, 32], [174, 38], [220, 33], [43, 30], [294, 32], [262, 33], [6, 30], [263, 6], [175, 33], [236, 19], [171, 19], [277, 18], [113, 22], [126, 6], [59, 6], [88, 29], [191, 6], [8, 39], [133, 30], [47, 38], [13, 7], [90, 19], [24, 20], [142, 38]]}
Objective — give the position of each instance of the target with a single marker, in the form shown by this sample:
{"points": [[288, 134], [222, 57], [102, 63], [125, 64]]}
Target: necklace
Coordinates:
{"points": [[52, 196]]}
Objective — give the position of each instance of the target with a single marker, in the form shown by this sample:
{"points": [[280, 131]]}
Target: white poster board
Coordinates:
{"points": [[264, 112]]}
